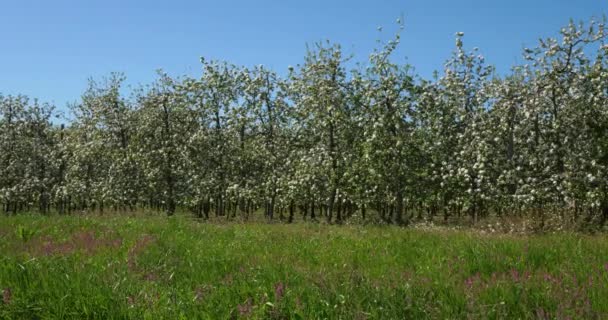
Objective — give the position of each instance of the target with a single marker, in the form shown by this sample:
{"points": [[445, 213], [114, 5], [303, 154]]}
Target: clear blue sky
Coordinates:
{"points": [[48, 49]]}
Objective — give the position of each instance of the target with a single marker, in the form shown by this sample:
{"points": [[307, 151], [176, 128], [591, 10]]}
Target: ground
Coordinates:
{"points": [[117, 267]]}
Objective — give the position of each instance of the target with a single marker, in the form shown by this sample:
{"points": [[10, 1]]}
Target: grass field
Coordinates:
{"points": [[158, 268]]}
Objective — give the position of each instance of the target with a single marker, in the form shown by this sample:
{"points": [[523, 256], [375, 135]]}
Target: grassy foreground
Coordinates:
{"points": [[160, 268]]}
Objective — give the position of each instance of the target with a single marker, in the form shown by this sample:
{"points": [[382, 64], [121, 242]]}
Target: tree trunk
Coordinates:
{"points": [[398, 217], [291, 212]]}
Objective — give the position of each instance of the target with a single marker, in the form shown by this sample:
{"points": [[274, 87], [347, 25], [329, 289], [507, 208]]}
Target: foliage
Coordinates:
{"points": [[376, 142]]}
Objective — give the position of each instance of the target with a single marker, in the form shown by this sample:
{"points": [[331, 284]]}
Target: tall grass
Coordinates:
{"points": [[157, 268]]}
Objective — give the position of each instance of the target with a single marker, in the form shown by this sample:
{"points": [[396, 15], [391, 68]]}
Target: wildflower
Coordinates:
{"points": [[246, 308], [515, 275], [469, 282], [6, 295], [540, 313], [279, 291], [199, 293]]}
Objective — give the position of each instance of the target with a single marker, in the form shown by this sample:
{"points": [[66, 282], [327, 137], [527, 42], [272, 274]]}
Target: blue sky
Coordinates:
{"points": [[50, 48]]}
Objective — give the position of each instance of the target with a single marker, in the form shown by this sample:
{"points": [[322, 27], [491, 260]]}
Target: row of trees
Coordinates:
{"points": [[325, 141]]}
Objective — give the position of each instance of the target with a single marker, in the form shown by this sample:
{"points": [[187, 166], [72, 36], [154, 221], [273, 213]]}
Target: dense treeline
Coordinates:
{"points": [[329, 143]]}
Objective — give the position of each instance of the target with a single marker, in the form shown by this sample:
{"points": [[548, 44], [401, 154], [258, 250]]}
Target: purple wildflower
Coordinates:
{"points": [[279, 291], [540, 313], [469, 282], [246, 308], [6, 295], [515, 275]]}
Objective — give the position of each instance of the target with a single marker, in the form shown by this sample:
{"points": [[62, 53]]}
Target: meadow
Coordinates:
{"points": [[117, 267]]}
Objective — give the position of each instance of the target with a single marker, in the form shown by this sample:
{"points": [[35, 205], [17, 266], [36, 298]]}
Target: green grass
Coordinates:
{"points": [[160, 268]]}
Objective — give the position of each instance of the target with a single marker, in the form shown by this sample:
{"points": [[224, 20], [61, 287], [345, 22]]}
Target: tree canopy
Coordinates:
{"points": [[375, 142]]}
